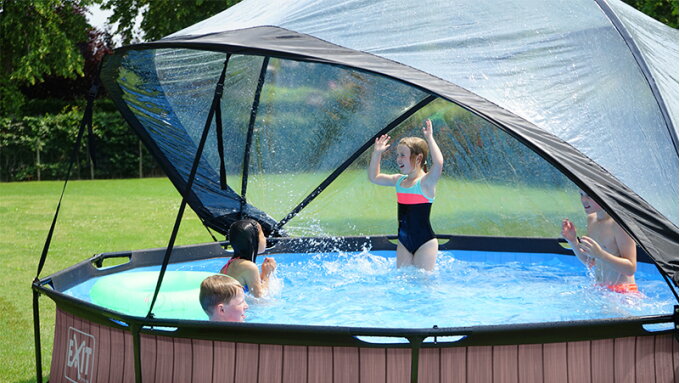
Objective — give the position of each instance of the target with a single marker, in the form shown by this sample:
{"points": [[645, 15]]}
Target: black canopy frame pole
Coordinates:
{"points": [[219, 135], [251, 127], [205, 224], [85, 122], [336, 173], [190, 181]]}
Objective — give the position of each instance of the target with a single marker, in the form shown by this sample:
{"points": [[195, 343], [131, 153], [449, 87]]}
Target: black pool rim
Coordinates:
{"points": [[524, 333]]}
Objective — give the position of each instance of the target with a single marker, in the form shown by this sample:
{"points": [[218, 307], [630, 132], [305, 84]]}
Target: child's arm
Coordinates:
{"points": [[625, 263], [569, 233], [430, 180], [268, 266], [374, 174], [257, 283]]}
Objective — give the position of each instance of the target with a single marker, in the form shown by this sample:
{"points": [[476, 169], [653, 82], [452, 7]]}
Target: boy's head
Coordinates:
{"points": [[589, 204], [247, 239], [222, 299], [419, 150]]}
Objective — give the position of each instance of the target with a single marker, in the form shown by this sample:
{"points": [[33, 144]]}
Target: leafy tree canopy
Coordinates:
{"points": [[42, 41], [665, 11], [160, 17], [39, 39]]}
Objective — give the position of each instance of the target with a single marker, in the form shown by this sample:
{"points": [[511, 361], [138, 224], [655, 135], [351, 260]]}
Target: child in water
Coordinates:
{"points": [[416, 188], [247, 240], [607, 248], [222, 299]]}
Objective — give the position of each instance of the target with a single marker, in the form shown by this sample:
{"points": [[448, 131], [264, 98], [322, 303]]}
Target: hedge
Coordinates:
{"points": [[39, 147]]}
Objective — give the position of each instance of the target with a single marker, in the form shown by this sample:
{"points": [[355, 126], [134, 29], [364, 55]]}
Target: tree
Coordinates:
{"points": [[665, 11], [160, 17], [39, 39], [56, 88]]}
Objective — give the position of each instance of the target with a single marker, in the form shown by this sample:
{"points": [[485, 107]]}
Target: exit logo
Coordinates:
{"points": [[79, 356]]}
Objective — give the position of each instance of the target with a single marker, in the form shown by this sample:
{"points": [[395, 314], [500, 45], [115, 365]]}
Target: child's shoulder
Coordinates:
{"points": [[247, 264], [591, 218]]}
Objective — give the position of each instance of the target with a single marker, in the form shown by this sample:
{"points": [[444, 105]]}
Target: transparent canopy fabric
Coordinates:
{"points": [[310, 119], [536, 98], [560, 65], [659, 46], [491, 185]]}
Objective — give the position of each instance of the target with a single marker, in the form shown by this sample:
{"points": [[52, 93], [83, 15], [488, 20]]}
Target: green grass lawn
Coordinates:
{"points": [[96, 217], [117, 215]]}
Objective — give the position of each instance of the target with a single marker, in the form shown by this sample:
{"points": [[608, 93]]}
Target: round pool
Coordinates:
{"points": [[365, 289], [519, 308]]}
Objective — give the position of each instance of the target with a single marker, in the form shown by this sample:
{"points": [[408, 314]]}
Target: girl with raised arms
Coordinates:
{"points": [[416, 188]]}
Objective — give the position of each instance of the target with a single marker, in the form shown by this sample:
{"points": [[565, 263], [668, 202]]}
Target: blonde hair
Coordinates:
{"points": [[216, 289], [417, 146]]}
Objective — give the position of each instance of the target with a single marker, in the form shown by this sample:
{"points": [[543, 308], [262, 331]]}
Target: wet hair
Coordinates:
{"points": [[217, 289], [417, 146], [244, 237]]}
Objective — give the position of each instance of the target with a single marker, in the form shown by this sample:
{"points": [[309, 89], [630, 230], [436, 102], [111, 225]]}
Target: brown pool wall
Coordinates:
{"points": [[85, 351]]}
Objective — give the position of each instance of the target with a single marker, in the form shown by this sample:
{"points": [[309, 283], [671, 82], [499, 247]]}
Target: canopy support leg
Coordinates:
{"points": [[36, 336], [219, 137], [190, 182], [251, 126], [86, 121]]}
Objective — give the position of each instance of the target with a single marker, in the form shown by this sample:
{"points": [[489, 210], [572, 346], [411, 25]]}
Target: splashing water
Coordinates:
{"points": [[467, 288]]}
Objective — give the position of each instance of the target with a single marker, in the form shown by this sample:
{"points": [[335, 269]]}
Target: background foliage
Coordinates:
{"points": [[48, 50], [117, 151], [665, 11], [160, 17]]}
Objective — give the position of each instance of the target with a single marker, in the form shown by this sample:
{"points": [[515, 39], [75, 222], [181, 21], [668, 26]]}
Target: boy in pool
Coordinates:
{"points": [[222, 299], [416, 188], [607, 248], [247, 239]]}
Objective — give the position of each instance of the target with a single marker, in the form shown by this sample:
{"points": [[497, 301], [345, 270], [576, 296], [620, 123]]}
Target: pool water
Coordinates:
{"points": [[365, 289]]}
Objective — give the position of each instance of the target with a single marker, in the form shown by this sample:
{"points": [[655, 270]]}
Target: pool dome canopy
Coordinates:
{"points": [[304, 86]]}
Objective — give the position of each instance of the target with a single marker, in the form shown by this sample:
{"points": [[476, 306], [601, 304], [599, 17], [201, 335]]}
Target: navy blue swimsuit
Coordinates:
{"points": [[414, 216]]}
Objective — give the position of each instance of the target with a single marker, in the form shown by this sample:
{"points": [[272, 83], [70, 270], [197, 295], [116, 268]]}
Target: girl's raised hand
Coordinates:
{"points": [[381, 143], [427, 129]]}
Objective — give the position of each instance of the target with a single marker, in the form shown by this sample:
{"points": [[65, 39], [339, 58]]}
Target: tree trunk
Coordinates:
{"points": [[141, 162], [37, 158], [91, 168]]}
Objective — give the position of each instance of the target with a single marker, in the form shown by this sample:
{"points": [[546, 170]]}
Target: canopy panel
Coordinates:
{"points": [[659, 47], [492, 185], [562, 66], [537, 98], [309, 120]]}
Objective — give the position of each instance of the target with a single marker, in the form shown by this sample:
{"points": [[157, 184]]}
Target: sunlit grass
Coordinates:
{"points": [[96, 217]]}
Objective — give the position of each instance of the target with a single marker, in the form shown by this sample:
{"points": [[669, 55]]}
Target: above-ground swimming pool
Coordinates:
{"points": [[494, 310], [365, 289]]}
